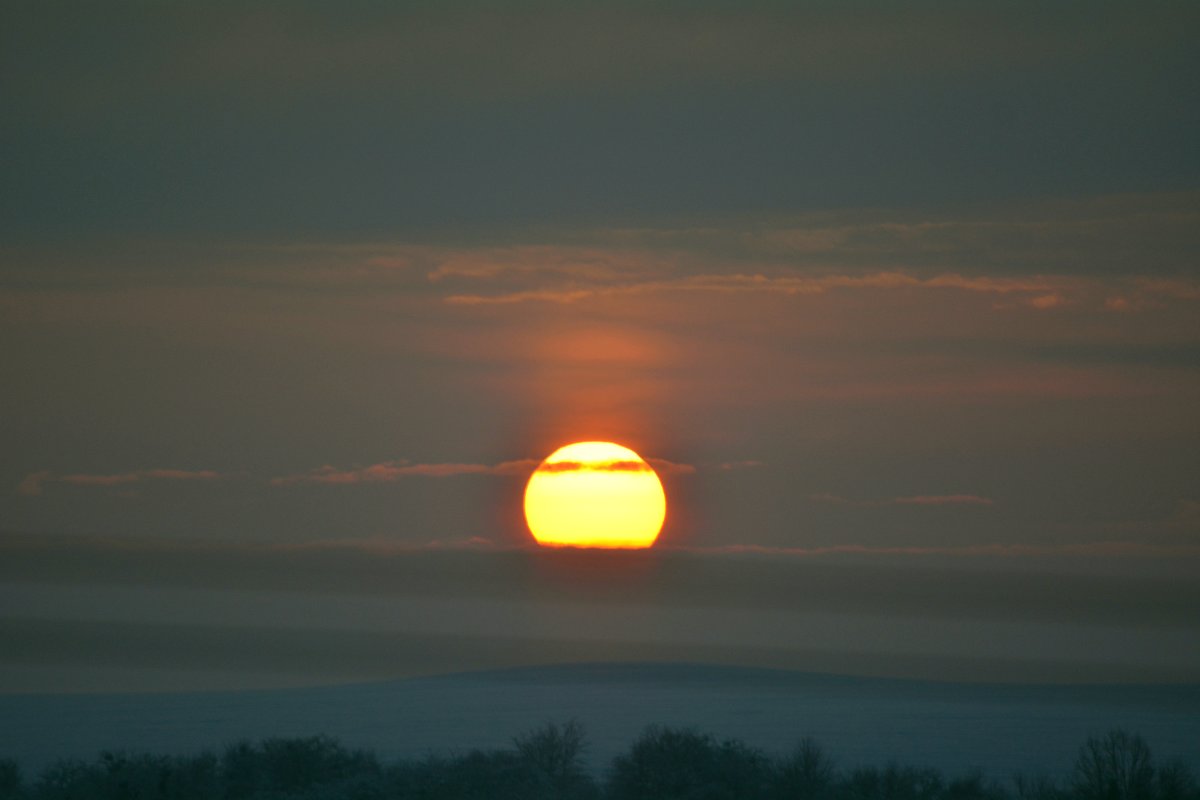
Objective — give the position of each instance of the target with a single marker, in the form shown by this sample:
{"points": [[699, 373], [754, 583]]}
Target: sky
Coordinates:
{"points": [[896, 294]]}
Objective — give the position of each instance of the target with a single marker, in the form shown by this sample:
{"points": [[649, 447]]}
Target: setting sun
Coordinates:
{"points": [[595, 494]]}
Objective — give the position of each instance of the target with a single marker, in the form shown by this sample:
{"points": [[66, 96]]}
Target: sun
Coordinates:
{"points": [[595, 494]]}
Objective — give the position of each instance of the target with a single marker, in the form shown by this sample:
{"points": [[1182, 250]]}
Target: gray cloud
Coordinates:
{"points": [[911, 500], [595, 466], [944, 500], [34, 483], [389, 471]]}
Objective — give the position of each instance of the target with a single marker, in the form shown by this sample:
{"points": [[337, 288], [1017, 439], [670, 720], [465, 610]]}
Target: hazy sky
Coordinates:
{"points": [[918, 279]]}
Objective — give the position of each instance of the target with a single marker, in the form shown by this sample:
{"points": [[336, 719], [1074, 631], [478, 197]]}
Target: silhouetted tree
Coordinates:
{"points": [[1176, 782], [121, 776], [555, 753], [806, 773], [68, 779], [973, 786], [478, 775], [10, 779], [893, 782], [667, 764], [239, 770], [1116, 766], [1037, 787], [291, 765]]}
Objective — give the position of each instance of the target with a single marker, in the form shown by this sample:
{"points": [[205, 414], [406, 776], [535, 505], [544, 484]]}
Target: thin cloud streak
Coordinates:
{"points": [[1110, 549], [1098, 549], [912, 500], [729, 466], [664, 467], [944, 500], [34, 484], [1087, 243], [31, 485], [788, 285], [11, 543], [391, 471]]}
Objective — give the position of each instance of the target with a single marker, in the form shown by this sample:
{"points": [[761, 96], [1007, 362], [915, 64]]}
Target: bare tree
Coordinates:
{"points": [[806, 773], [1116, 766], [556, 753], [1037, 787], [1176, 782]]}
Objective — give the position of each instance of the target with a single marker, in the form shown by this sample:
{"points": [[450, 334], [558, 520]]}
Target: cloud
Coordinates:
{"points": [[782, 284], [915, 500], [469, 543], [390, 471], [943, 500], [596, 263], [1178, 289], [1043, 256], [596, 466], [1045, 302], [33, 484], [1108, 549], [728, 466], [664, 467], [536, 295], [100, 480]]}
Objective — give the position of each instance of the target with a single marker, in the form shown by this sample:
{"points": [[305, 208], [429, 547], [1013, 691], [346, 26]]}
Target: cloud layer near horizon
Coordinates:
{"points": [[151, 607]]}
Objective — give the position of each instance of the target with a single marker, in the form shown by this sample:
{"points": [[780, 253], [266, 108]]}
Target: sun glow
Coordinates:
{"points": [[595, 494]]}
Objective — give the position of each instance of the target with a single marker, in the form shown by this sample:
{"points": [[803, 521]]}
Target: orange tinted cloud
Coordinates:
{"points": [[1043, 302], [32, 484], [785, 284]]}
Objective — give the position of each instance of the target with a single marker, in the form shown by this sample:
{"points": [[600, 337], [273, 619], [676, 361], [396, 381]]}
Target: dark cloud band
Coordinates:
{"points": [[596, 466]]}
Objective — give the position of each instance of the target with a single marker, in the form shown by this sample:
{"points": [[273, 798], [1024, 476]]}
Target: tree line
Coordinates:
{"points": [[549, 764]]}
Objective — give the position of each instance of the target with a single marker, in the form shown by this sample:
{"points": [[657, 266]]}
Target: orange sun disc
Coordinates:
{"points": [[595, 494]]}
